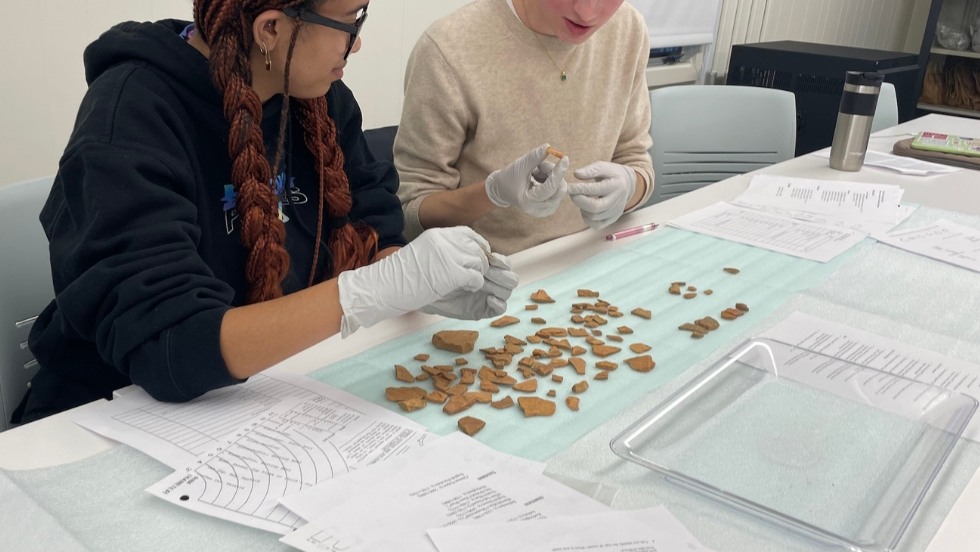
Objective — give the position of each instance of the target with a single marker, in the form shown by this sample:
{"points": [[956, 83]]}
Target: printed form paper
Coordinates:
{"points": [[177, 433], [866, 349], [779, 233], [867, 208], [943, 241], [290, 447], [648, 530], [427, 491]]}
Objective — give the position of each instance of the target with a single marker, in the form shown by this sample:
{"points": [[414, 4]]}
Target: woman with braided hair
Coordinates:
{"points": [[217, 210]]}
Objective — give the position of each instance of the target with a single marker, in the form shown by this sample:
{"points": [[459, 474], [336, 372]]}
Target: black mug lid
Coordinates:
{"points": [[864, 78]]}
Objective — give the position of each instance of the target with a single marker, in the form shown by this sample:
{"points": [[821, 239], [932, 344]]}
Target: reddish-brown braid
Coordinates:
{"points": [[351, 245]]}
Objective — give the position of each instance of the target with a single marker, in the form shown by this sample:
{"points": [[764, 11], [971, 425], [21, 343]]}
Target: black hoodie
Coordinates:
{"points": [[146, 249]]}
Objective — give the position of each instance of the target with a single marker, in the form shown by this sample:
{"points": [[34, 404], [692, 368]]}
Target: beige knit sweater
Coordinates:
{"points": [[480, 91]]}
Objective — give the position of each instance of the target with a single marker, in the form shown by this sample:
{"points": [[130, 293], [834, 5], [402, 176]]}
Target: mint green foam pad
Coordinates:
{"points": [[637, 274]]}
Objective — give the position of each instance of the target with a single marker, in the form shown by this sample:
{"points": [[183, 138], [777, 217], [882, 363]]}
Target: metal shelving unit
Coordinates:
{"points": [[930, 50]]}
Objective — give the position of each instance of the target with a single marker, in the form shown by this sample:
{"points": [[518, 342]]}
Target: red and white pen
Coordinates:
{"points": [[632, 231]]}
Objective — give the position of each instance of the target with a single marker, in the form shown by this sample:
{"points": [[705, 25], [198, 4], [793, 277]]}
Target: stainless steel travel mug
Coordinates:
{"points": [[857, 110]]}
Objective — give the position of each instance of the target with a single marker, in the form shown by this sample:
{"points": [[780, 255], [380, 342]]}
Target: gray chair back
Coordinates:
{"points": [[25, 285], [703, 134]]}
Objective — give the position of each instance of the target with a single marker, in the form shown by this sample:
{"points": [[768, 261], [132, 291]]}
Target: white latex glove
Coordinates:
{"points": [[439, 262], [490, 300], [604, 192], [530, 183]]}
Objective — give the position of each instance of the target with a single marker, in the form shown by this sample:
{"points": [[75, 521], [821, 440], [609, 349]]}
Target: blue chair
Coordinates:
{"points": [[703, 134], [25, 285], [886, 110]]}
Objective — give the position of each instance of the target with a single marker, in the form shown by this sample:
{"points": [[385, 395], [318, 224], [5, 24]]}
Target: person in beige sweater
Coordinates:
{"points": [[488, 87]]}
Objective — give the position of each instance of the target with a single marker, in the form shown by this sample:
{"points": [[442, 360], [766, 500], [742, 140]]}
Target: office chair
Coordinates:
{"points": [[703, 134], [886, 110], [25, 285], [381, 142]]}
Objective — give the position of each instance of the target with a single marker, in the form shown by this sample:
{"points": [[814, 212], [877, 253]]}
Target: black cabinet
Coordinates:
{"points": [[815, 74]]}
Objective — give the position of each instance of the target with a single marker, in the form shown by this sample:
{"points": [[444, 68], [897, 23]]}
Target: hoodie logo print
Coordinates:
{"points": [[293, 196]]}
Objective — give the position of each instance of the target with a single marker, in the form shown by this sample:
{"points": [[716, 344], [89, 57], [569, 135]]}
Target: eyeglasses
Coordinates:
{"points": [[317, 19]]}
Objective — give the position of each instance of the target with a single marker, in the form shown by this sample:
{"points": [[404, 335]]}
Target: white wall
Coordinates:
{"points": [[43, 81]]}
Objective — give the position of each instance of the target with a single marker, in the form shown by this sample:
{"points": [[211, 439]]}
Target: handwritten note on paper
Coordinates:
{"points": [[290, 447], [428, 490], [866, 349], [647, 530], [770, 231], [942, 240]]}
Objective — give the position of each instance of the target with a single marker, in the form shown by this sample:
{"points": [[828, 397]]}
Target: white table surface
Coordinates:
{"points": [[56, 440]]}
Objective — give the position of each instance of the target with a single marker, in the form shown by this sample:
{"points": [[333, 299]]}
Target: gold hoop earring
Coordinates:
{"points": [[268, 56]]}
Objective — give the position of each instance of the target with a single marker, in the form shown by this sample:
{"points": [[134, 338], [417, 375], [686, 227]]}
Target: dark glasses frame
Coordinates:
{"points": [[317, 19]]}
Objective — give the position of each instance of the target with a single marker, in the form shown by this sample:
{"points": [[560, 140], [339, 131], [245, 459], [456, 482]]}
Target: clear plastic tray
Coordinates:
{"points": [[839, 452]]}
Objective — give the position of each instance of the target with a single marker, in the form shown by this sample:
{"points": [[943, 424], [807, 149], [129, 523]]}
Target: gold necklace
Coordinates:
{"points": [[563, 70]]}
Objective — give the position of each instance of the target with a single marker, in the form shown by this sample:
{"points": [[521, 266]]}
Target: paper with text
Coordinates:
{"points": [[770, 231], [309, 503], [867, 208], [438, 487], [943, 241], [176, 433], [647, 530], [866, 349], [290, 447], [877, 202]]}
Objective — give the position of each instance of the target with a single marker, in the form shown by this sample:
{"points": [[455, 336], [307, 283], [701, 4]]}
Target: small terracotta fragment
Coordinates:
{"points": [[457, 404], [402, 374], [536, 406], [411, 405], [399, 394], [527, 386], [541, 296], [436, 397], [457, 341], [643, 363], [554, 152], [503, 403], [505, 320], [605, 350], [470, 425]]}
